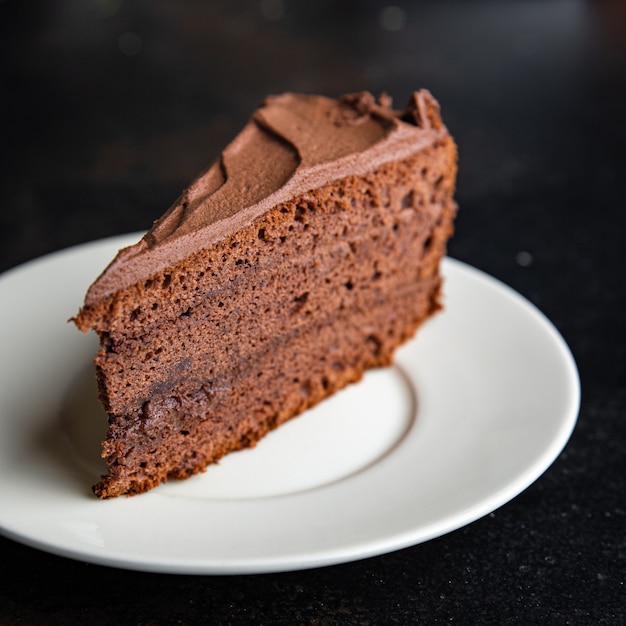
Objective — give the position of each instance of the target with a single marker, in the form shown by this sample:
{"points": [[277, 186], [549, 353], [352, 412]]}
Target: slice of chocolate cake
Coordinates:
{"points": [[306, 254]]}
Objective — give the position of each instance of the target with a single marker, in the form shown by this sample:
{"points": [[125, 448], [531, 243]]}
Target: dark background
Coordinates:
{"points": [[108, 108]]}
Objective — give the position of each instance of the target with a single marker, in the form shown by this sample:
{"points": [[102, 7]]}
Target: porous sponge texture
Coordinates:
{"points": [[209, 355]]}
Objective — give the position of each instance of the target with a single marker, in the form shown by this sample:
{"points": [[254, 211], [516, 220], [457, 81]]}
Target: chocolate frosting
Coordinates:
{"points": [[292, 144]]}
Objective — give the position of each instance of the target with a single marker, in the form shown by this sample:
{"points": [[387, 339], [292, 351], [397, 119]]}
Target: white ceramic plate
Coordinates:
{"points": [[474, 410]]}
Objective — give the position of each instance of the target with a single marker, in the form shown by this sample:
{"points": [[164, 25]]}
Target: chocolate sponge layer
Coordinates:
{"points": [[210, 354]]}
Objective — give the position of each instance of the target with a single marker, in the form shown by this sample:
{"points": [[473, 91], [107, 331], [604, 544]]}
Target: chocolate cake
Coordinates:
{"points": [[305, 255]]}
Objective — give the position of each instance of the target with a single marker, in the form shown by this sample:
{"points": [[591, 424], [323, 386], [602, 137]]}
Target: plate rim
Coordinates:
{"points": [[331, 557]]}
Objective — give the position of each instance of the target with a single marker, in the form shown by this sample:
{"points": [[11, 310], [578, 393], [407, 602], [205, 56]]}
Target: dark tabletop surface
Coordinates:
{"points": [[108, 109]]}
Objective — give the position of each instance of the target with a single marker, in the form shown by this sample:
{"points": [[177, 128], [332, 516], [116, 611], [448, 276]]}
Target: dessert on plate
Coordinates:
{"points": [[302, 257]]}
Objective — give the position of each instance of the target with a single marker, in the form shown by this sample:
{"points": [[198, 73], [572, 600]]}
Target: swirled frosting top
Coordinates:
{"points": [[292, 144]]}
